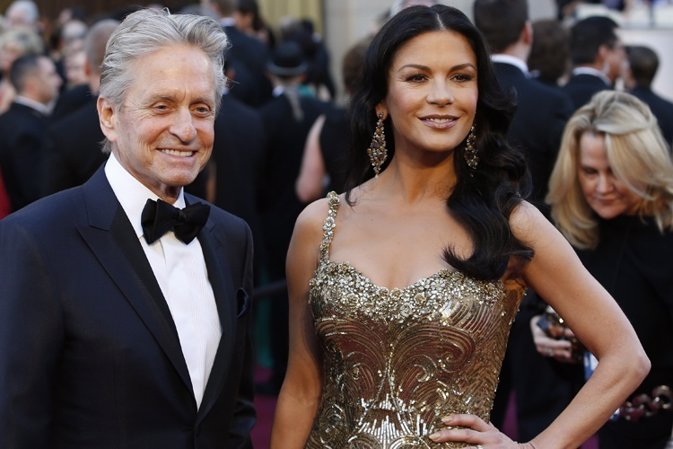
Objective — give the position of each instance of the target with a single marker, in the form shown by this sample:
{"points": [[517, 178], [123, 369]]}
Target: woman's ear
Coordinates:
{"points": [[381, 111]]}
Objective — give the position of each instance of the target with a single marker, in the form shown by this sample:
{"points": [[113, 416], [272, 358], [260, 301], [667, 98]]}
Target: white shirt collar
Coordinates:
{"points": [[131, 193], [39, 107], [227, 22], [508, 59], [592, 71]]}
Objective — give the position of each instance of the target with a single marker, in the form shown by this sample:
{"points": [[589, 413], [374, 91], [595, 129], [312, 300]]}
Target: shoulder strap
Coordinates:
{"points": [[329, 225]]}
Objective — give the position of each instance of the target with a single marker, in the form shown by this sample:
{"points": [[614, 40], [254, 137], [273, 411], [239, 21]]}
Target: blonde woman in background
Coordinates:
{"points": [[611, 195]]}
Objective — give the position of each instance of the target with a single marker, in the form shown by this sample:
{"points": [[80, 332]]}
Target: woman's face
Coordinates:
{"points": [[432, 92], [608, 196]]}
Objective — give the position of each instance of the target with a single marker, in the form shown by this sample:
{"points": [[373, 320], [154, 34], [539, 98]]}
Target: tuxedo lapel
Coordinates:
{"points": [[111, 238], [213, 252]]}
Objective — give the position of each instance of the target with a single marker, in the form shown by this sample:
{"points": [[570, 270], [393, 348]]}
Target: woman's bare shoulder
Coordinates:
{"points": [[528, 223], [311, 220]]}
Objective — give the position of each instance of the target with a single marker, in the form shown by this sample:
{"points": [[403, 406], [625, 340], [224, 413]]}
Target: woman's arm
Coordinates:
{"points": [[309, 185], [300, 393], [557, 275]]}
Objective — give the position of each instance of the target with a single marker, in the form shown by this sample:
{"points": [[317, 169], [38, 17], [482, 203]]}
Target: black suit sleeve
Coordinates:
{"points": [[31, 336]]}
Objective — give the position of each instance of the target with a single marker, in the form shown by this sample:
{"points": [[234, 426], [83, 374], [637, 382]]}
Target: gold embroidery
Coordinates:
{"points": [[396, 361]]}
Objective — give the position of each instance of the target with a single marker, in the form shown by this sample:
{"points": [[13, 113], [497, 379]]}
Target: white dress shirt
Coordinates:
{"points": [[180, 269], [511, 60]]}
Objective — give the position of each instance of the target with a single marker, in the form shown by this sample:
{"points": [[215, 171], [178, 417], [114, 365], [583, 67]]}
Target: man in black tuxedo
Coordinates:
{"points": [[536, 128], [24, 128], [125, 322], [598, 58], [643, 66], [74, 150]]}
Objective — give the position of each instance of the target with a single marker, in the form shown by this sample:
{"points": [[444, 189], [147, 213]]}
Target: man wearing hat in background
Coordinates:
{"points": [[287, 119]]}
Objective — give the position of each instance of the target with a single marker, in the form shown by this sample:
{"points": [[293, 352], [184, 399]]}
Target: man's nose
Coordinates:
{"points": [[183, 126]]}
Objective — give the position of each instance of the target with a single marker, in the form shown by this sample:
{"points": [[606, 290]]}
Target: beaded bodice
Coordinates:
{"points": [[395, 361]]}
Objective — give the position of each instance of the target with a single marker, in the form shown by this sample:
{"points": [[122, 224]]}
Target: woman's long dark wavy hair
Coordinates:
{"points": [[482, 199]]}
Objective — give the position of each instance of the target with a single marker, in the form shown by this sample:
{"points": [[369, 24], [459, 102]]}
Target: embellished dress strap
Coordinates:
{"points": [[329, 225]]}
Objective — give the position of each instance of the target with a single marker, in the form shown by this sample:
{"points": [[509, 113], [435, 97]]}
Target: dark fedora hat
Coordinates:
{"points": [[287, 60]]}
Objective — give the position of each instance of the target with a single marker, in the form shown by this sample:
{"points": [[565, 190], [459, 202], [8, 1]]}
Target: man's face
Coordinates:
{"points": [[45, 81], [163, 131], [615, 61]]}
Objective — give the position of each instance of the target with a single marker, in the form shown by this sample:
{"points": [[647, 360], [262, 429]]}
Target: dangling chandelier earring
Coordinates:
{"points": [[471, 156], [377, 150]]}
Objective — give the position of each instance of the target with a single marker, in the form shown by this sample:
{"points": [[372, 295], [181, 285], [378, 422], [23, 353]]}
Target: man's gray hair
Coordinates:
{"points": [[148, 30]]}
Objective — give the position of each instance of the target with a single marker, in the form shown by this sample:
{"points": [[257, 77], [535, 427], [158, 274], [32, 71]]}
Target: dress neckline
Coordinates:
{"points": [[443, 272]]}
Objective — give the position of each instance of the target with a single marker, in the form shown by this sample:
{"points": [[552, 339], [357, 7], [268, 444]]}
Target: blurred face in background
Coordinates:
{"points": [[616, 62], [47, 81], [606, 194]]}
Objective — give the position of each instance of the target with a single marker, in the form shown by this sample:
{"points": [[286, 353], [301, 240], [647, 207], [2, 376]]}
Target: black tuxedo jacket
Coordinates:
{"points": [[580, 88], [23, 133], [661, 108], [537, 125], [74, 149], [279, 205], [71, 100], [248, 57], [89, 354], [238, 155]]}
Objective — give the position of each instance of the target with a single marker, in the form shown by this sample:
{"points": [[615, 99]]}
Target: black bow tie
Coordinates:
{"points": [[159, 217]]}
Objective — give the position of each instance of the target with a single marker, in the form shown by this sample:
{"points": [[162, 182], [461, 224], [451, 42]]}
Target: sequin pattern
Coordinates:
{"points": [[395, 361]]}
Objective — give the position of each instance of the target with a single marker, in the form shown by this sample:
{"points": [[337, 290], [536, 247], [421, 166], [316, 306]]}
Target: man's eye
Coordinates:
{"points": [[203, 110]]}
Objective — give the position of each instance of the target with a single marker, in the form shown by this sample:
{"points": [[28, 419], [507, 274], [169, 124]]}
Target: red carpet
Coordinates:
{"points": [[265, 406]]}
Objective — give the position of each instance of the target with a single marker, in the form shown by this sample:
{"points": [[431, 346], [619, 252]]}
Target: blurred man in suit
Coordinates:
{"points": [[125, 312], [643, 66], [598, 58], [541, 112], [536, 128], [287, 119], [247, 57], [24, 127], [74, 150]]}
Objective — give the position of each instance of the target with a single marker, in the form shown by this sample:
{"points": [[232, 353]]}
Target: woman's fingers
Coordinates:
{"points": [[472, 430]]}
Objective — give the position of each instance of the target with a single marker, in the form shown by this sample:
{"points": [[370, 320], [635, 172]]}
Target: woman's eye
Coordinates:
{"points": [[416, 77], [462, 77]]}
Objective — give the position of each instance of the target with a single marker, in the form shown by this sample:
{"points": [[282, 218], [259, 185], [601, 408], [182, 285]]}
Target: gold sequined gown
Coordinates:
{"points": [[396, 361]]}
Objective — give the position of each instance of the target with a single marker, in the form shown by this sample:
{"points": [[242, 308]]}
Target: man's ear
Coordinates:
{"points": [[601, 55], [527, 33], [107, 118]]}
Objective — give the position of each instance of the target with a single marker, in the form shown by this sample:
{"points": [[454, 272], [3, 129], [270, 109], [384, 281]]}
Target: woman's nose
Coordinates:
{"points": [[440, 94]]}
